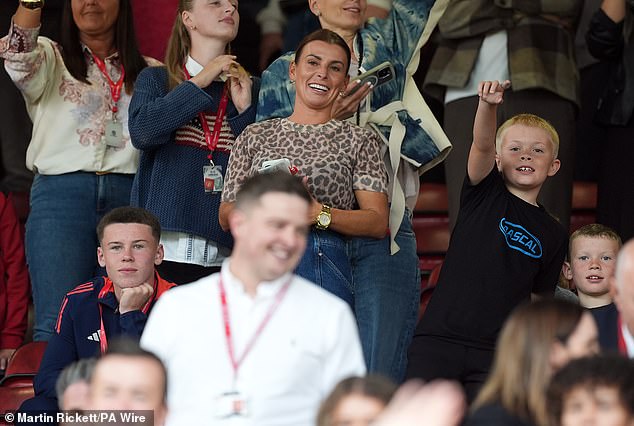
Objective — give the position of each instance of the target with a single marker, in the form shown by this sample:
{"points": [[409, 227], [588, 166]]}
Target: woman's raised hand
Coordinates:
{"points": [[240, 87], [213, 69], [347, 103]]}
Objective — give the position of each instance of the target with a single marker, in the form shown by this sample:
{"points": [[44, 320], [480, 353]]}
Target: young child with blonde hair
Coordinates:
{"points": [[504, 247]]}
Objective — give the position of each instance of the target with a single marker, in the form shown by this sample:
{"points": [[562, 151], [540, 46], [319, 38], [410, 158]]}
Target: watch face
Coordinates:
{"points": [[324, 219]]}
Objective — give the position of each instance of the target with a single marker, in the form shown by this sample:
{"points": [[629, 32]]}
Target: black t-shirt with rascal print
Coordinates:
{"points": [[501, 250]]}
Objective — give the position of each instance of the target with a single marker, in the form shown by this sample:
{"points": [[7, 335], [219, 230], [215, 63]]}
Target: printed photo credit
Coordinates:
{"points": [[136, 418]]}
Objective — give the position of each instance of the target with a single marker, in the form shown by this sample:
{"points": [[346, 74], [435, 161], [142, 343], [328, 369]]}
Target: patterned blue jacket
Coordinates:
{"points": [[397, 39]]}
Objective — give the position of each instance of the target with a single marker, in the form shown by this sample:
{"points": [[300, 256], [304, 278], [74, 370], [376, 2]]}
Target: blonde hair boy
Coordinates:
{"points": [[525, 150], [504, 247], [528, 120]]}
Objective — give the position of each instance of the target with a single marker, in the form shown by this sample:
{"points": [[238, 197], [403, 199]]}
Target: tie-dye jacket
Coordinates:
{"points": [[397, 39], [396, 109]]}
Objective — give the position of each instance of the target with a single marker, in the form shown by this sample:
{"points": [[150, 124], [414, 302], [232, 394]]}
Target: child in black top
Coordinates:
{"points": [[504, 247]]}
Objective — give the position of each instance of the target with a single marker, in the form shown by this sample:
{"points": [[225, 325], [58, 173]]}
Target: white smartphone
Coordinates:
{"points": [[279, 165], [378, 75]]}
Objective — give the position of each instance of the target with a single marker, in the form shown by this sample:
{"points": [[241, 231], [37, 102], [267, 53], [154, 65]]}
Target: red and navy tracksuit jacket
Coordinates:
{"points": [[77, 331]]}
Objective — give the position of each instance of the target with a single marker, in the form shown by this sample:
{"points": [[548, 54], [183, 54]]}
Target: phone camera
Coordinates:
{"points": [[384, 73]]}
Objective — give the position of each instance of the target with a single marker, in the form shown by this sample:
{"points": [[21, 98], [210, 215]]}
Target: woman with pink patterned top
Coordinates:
{"points": [[77, 94]]}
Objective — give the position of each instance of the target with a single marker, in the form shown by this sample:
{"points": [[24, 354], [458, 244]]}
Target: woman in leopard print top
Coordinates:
{"points": [[340, 162]]}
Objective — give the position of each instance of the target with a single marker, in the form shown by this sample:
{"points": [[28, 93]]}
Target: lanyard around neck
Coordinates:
{"points": [[212, 138], [108, 287], [115, 88], [235, 363]]}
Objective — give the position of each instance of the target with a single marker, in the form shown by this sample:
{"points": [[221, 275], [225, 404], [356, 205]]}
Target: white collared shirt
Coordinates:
{"points": [[193, 67], [69, 116], [310, 343]]}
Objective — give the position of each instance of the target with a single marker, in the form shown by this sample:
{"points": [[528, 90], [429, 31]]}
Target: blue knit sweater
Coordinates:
{"points": [[169, 181]]}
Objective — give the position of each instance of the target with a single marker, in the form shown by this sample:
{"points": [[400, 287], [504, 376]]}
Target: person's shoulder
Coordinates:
{"points": [[491, 185], [281, 63], [86, 290], [604, 313], [493, 413], [356, 132], [258, 126], [557, 230], [152, 62], [186, 293], [154, 71], [351, 127], [313, 295], [81, 298]]}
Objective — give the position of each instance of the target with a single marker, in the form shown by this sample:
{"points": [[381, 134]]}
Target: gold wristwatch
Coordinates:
{"points": [[32, 4], [323, 218]]}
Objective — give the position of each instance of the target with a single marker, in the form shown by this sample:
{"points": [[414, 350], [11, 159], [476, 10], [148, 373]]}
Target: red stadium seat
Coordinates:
{"points": [[23, 365], [11, 398]]}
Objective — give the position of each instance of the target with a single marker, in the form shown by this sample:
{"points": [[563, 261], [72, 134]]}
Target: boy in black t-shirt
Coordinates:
{"points": [[504, 246]]}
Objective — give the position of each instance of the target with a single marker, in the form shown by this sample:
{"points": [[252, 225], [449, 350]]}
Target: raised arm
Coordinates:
{"points": [[155, 113], [27, 18], [615, 9], [605, 33], [482, 153], [30, 60], [226, 207]]}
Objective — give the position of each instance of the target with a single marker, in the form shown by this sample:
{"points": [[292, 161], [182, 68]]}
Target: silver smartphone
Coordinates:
{"points": [[378, 75]]}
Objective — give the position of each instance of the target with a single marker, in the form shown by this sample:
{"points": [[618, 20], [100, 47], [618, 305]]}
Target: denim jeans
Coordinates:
{"points": [[325, 262], [61, 241], [386, 299], [382, 290]]}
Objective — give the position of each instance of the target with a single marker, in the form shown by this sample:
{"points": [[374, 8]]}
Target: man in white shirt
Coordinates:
{"points": [[255, 344], [623, 296]]}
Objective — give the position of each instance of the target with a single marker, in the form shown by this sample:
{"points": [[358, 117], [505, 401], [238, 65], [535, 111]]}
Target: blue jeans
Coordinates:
{"points": [[386, 299], [61, 242], [325, 262]]}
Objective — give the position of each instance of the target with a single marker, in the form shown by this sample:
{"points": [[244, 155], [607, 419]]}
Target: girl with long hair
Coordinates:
{"points": [[184, 118], [537, 339]]}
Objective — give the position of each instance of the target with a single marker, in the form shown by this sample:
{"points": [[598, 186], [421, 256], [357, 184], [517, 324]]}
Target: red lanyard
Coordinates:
{"points": [[620, 337], [235, 363], [212, 137], [107, 287], [115, 88]]}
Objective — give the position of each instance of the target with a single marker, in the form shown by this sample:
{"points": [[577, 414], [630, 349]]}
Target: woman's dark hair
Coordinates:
{"points": [[327, 36], [124, 41]]}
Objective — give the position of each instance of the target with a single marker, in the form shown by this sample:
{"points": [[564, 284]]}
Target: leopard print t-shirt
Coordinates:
{"points": [[337, 157]]}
